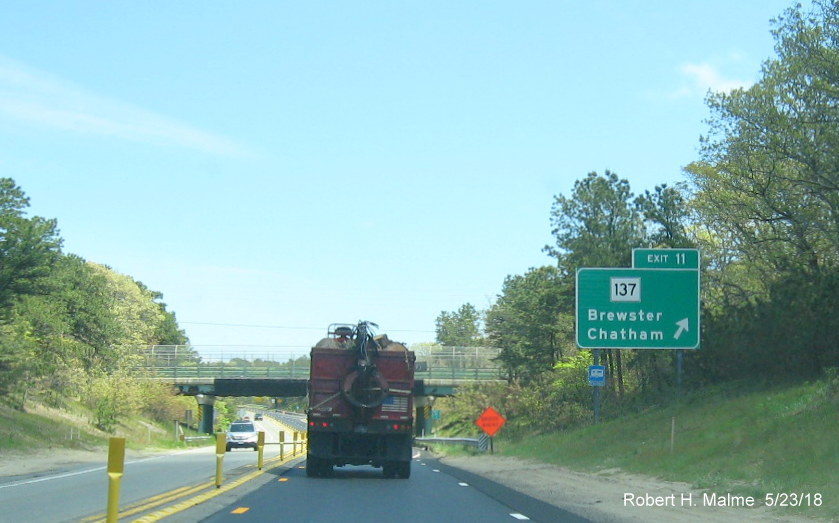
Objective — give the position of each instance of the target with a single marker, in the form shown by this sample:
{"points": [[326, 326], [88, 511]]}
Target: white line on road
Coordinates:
{"points": [[76, 473], [49, 478]]}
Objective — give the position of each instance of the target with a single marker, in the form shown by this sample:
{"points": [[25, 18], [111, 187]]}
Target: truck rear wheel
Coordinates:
{"points": [[317, 467], [403, 469], [389, 469], [392, 469], [311, 467], [326, 468]]}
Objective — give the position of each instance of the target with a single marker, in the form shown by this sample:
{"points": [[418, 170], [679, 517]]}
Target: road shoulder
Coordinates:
{"points": [[610, 495]]}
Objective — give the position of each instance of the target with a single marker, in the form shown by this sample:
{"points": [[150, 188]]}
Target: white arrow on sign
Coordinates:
{"points": [[683, 326]]}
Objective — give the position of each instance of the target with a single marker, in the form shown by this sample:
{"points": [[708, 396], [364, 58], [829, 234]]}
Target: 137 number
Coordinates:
{"points": [[625, 289]]}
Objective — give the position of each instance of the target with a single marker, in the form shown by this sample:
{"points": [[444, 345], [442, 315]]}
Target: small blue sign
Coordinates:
{"points": [[597, 375]]}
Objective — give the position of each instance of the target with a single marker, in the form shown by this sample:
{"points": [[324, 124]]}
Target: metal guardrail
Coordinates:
{"points": [[472, 442], [479, 443], [195, 438]]}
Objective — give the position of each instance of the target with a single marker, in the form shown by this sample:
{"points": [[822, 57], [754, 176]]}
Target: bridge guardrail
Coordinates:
{"points": [[176, 361], [269, 372]]}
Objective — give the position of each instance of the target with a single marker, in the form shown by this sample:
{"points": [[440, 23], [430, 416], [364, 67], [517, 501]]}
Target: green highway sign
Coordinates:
{"points": [[620, 308], [665, 258]]}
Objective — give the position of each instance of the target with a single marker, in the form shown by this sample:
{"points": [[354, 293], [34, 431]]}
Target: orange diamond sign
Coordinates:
{"points": [[490, 421]]}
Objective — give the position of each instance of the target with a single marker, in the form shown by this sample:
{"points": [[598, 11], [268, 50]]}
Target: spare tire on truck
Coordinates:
{"points": [[365, 389]]}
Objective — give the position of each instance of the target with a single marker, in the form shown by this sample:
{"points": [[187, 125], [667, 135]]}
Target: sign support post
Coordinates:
{"points": [[596, 353]]}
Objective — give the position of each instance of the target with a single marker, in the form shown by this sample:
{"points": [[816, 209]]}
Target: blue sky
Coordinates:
{"points": [[272, 167]]}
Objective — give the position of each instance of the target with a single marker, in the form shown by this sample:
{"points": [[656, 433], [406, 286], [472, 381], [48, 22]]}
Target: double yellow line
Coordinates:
{"points": [[115, 469], [154, 501], [186, 492]]}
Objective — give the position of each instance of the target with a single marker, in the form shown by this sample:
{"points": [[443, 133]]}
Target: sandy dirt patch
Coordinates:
{"points": [[612, 496]]}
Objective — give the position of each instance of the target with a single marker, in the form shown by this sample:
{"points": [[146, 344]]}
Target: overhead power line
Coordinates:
{"points": [[288, 327], [249, 325]]}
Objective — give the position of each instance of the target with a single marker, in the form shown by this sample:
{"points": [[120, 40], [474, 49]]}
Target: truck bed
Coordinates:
{"points": [[329, 369]]}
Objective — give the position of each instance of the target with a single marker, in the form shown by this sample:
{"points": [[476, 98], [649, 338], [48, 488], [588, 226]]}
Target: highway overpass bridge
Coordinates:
{"points": [[292, 387], [206, 389], [438, 373]]}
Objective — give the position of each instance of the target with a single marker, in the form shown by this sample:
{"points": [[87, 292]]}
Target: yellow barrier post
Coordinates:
{"points": [[294, 447], [221, 448], [116, 466], [260, 446], [282, 444]]}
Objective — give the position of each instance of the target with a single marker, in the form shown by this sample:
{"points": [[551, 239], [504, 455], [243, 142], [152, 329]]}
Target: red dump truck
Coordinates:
{"points": [[360, 403]]}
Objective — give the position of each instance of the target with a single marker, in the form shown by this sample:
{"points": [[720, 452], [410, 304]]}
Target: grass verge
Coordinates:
{"points": [[41, 427], [749, 443]]}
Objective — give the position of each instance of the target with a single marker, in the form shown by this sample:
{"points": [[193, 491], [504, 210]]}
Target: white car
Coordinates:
{"points": [[241, 434]]}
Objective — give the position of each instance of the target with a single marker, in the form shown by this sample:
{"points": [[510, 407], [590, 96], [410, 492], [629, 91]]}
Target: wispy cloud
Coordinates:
{"points": [[703, 77], [36, 98]]}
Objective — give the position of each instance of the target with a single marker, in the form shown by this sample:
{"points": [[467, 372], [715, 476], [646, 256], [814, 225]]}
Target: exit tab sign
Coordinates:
{"points": [[665, 258]]}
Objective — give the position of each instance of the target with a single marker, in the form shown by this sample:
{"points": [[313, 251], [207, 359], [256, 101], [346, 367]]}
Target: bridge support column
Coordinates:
{"points": [[207, 412], [423, 425]]}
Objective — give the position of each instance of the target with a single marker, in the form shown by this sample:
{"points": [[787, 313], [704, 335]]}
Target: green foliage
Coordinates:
{"points": [[767, 192], [769, 175], [461, 411], [15, 359], [596, 226], [225, 415], [28, 247], [111, 397], [557, 400], [667, 213], [460, 328], [65, 323], [159, 402], [69, 427], [167, 331], [830, 391], [119, 395], [789, 335], [133, 307], [532, 322]]}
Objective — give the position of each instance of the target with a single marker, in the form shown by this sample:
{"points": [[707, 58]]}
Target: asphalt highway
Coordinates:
{"points": [[179, 487]]}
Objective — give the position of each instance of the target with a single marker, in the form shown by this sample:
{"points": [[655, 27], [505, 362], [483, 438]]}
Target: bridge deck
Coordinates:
{"points": [[291, 387]]}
